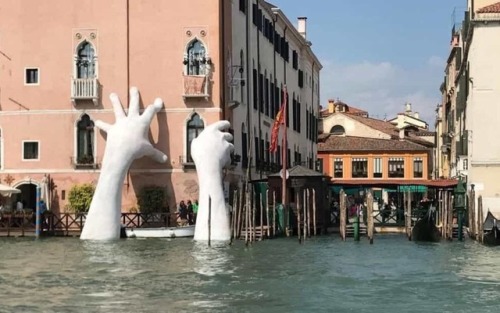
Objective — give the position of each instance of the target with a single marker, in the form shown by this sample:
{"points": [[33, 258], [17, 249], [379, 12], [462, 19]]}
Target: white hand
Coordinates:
{"points": [[127, 140], [212, 149], [211, 152], [128, 137]]}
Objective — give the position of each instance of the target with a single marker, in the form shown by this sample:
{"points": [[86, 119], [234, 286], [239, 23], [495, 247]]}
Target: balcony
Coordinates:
{"points": [[196, 86], [85, 162], [186, 162], [85, 89]]}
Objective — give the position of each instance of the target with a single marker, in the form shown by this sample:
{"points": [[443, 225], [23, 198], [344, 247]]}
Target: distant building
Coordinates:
{"points": [[469, 114], [357, 150]]}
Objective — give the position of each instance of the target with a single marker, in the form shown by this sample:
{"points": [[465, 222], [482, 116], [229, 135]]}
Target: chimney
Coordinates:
{"points": [[416, 115], [401, 133], [408, 107], [302, 26], [331, 106]]}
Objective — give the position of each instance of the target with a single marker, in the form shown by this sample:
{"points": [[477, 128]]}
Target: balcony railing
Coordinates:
{"points": [[187, 162], [196, 86], [85, 89], [85, 163]]}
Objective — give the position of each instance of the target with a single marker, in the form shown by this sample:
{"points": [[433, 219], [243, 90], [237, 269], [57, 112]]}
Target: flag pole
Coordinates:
{"points": [[284, 158]]}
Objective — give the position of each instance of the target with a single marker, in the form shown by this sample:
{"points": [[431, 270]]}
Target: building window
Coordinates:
{"points": [[465, 164], [337, 130], [418, 168], [396, 168], [359, 168], [338, 168], [85, 61], [244, 148], [30, 150], [31, 76], [377, 167], [196, 58], [85, 141], [242, 6], [194, 127]]}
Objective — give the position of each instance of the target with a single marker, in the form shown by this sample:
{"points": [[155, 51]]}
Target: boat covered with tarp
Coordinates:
{"points": [[491, 235], [425, 229]]}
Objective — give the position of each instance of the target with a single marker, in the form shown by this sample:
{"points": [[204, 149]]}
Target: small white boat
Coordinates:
{"points": [[161, 232]]}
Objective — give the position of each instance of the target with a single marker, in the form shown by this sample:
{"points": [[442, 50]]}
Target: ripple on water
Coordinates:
{"points": [[321, 275]]}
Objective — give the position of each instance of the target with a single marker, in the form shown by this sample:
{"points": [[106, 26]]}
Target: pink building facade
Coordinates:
{"points": [[59, 62]]}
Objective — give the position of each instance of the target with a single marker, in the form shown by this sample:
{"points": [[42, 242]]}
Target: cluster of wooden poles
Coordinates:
{"points": [[476, 227], [356, 223], [256, 220], [447, 220]]}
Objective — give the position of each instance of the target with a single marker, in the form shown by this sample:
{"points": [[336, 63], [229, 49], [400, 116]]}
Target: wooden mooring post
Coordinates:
{"points": [[306, 213], [297, 201], [480, 219], [314, 210], [450, 216], [274, 213], [408, 219], [343, 213], [369, 217], [472, 213], [268, 232]]}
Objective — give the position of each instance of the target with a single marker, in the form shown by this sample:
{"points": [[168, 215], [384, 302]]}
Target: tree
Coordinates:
{"points": [[80, 197]]}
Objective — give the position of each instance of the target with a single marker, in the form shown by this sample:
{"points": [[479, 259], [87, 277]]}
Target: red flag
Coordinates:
{"points": [[280, 119]]}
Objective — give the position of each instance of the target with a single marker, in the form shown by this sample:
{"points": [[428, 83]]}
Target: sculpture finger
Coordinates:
{"points": [[152, 109], [227, 136], [102, 125], [220, 125], [156, 154], [133, 107], [231, 147], [117, 106]]}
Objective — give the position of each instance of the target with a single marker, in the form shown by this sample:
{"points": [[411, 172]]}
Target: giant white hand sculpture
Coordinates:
{"points": [[211, 152], [127, 140]]}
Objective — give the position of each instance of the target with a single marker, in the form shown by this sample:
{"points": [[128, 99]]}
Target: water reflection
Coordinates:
{"points": [[479, 264], [213, 260]]}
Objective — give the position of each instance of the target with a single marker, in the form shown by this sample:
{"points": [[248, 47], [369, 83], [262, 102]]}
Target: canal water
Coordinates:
{"points": [[322, 275]]}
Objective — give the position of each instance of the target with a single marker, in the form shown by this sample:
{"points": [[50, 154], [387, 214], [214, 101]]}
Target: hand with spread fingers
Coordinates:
{"points": [[211, 152], [126, 141]]}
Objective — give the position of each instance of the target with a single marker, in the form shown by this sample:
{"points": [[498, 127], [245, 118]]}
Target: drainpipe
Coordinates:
{"points": [[312, 106], [222, 72], [249, 119], [258, 94], [128, 53]]}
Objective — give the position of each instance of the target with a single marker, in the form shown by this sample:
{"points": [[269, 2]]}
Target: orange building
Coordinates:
{"points": [[355, 149]]}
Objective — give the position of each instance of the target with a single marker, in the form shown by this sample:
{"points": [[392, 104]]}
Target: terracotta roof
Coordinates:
{"points": [[299, 171], [493, 8], [439, 183], [390, 129], [329, 142], [348, 110]]}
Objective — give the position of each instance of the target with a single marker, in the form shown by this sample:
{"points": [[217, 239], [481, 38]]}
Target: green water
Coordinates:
{"points": [[322, 275]]}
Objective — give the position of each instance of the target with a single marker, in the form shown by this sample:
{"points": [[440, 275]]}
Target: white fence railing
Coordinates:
{"points": [[85, 89]]}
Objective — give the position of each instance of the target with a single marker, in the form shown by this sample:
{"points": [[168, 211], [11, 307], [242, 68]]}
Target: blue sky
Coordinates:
{"points": [[378, 54]]}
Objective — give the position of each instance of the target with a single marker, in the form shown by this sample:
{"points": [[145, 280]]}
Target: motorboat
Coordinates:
{"points": [[160, 232]]}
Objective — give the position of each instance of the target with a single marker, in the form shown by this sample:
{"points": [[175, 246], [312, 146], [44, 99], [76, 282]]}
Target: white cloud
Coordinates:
{"points": [[383, 88], [436, 61]]}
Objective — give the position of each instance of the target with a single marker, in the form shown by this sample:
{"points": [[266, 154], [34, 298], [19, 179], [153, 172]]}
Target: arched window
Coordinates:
{"points": [[337, 130], [85, 62], [85, 141], [244, 147], [194, 127], [196, 59]]}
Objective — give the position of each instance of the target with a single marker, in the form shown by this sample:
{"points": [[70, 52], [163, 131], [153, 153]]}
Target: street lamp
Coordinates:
{"points": [[459, 204]]}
